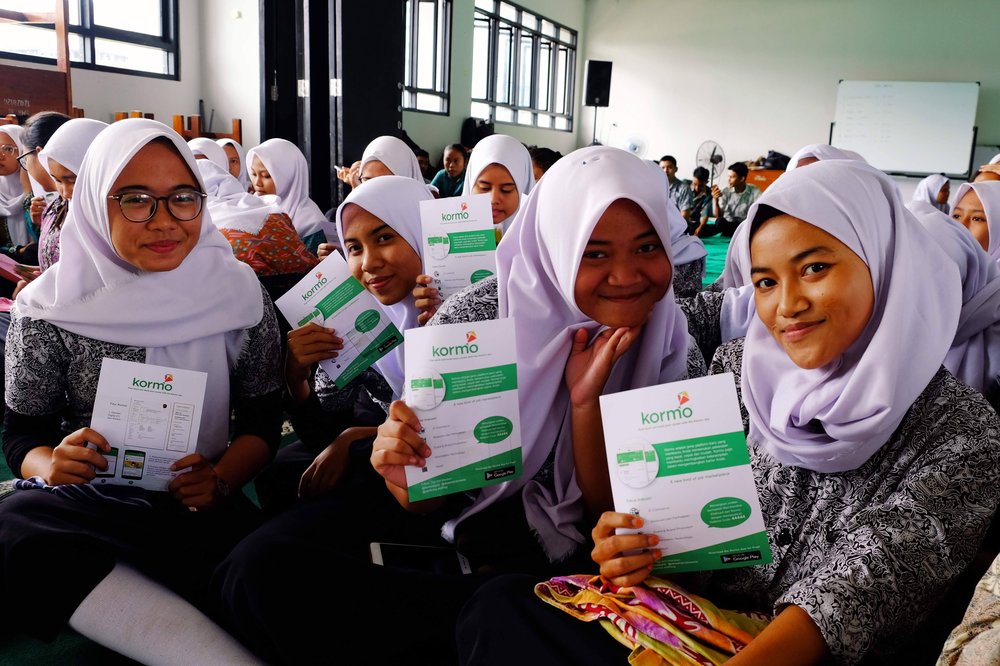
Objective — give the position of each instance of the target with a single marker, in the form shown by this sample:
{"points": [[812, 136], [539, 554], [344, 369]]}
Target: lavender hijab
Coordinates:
{"points": [[974, 356], [927, 191], [834, 418], [396, 201], [989, 195], [537, 264]]}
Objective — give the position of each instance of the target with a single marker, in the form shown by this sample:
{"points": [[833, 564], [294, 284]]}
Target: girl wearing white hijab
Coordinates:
{"points": [[261, 235], [145, 277], [932, 191], [278, 168], [209, 150], [13, 187], [977, 208], [389, 156], [62, 156], [379, 227], [974, 356], [877, 470], [562, 274], [236, 160], [501, 166]]}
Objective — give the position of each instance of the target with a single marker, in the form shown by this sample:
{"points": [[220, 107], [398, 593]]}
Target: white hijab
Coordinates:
{"points": [[834, 418], [70, 142], [244, 177], [395, 155], [231, 206], [989, 195], [822, 151], [290, 173], [509, 153], [193, 317], [537, 265], [11, 192], [995, 159], [974, 356], [685, 247], [396, 201], [927, 191], [210, 150]]}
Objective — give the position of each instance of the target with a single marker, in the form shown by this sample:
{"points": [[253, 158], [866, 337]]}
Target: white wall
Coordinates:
{"points": [[230, 65], [434, 132], [756, 75]]}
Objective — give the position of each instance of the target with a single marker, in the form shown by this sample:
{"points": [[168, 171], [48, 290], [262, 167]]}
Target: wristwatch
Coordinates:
{"points": [[221, 487]]}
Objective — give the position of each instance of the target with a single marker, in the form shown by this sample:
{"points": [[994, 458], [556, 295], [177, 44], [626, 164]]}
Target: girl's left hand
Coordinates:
{"points": [[37, 206], [589, 367], [198, 487]]}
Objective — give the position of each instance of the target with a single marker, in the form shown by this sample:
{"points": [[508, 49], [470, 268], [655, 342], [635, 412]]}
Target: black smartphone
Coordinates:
{"points": [[423, 558]]}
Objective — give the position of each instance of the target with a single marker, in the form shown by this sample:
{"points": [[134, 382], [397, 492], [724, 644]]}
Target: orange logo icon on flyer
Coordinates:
{"points": [[168, 377], [470, 336], [683, 398]]}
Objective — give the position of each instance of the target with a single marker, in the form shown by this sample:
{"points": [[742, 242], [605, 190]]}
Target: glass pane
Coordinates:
{"points": [[549, 28], [562, 124], [504, 115], [443, 45], [508, 11], [110, 53], [566, 35], [425, 44], [409, 99], [526, 65], [28, 40], [525, 118], [480, 110], [74, 12], [544, 121], [505, 64], [135, 15], [560, 103], [480, 58], [544, 76], [427, 102], [488, 5]]}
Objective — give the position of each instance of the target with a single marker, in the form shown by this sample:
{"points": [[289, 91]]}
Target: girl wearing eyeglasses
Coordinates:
{"points": [[143, 276]]}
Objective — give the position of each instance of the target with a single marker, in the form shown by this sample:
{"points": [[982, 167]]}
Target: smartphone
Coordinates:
{"points": [[133, 464], [436, 559]]}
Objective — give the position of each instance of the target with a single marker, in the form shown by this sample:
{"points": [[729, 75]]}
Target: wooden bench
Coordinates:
{"points": [[190, 128]]}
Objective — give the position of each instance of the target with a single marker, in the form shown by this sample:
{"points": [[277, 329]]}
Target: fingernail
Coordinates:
{"points": [[652, 540], [637, 522], [657, 553]]}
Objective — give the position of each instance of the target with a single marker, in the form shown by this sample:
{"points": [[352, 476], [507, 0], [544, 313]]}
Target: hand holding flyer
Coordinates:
{"points": [[677, 457], [461, 381], [330, 296], [151, 416], [459, 242]]}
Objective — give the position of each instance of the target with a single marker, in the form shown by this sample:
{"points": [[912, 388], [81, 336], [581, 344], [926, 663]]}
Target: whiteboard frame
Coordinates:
{"points": [[921, 174]]}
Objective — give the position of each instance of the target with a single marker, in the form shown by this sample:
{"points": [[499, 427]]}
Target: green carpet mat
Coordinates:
{"points": [[717, 247]]}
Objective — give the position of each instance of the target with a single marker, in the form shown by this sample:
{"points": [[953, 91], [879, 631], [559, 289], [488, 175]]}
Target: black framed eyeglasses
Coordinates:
{"points": [[22, 157], [183, 205]]}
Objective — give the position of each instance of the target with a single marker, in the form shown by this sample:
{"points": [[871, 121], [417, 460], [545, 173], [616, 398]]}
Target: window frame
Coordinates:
{"points": [[518, 30], [170, 42], [441, 56]]}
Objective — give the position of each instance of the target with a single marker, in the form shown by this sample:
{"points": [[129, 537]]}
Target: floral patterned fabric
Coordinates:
{"points": [[275, 250]]}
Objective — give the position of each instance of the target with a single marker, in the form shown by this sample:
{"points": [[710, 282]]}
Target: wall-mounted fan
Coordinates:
{"points": [[635, 145], [711, 157]]}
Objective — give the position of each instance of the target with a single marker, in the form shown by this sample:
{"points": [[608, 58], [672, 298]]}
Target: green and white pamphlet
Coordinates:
{"points": [[459, 242], [330, 296], [678, 457], [461, 381], [150, 416]]}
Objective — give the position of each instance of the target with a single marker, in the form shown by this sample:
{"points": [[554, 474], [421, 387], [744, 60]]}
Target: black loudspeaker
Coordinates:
{"points": [[598, 82]]}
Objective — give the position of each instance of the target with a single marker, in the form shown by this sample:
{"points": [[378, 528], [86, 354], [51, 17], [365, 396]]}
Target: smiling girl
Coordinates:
{"points": [[139, 259], [877, 470]]}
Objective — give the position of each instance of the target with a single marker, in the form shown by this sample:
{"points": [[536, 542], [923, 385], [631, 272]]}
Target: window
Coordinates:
{"points": [[427, 55], [523, 67], [134, 37]]}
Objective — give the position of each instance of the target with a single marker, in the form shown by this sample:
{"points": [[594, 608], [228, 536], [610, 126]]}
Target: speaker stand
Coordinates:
{"points": [[594, 142]]}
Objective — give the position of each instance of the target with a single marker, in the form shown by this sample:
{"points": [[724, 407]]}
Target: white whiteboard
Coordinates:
{"points": [[908, 127]]}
